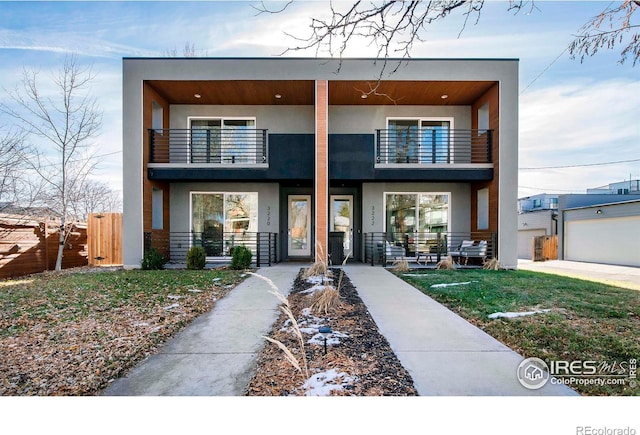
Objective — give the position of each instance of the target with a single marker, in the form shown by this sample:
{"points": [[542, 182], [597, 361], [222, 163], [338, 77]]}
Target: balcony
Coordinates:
{"points": [[440, 147], [219, 147]]}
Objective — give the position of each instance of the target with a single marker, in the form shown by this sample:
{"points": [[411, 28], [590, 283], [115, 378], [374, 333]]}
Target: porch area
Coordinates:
{"points": [[424, 249]]}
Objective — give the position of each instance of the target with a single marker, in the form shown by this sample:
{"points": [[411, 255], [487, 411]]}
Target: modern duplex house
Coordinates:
{"points": [[301, 158]]}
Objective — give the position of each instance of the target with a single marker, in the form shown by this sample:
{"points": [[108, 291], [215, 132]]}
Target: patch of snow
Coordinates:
{"points": [[216, 279], [451, 284], [323, 383], [332, 339], [174, 297], [171, 307], [315, 288], [194, 290], [319, 279], [138, 324], [509, 315]]}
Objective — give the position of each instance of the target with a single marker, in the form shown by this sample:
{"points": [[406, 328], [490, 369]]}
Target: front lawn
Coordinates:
{"points": [[587, 321], [71, 333]]}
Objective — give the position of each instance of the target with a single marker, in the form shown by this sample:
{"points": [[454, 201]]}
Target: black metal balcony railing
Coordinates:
{"points": [[263, 246], [470, 248], [214, 145], [433, 146]]}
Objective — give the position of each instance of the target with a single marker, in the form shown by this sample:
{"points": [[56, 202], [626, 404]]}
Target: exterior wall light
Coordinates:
{"points": [[599, 211]]}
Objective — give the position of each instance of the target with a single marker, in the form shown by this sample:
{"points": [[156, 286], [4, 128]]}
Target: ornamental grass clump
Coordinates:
{"points": [[492, 264], [301, 364], [446, 264]]}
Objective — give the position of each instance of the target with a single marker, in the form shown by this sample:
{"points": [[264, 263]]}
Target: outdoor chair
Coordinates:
{"points": [[456, 253], [478, 251]]}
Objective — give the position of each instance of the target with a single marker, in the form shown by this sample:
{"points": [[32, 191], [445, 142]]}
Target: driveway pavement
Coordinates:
{"points": [[619, 276]]}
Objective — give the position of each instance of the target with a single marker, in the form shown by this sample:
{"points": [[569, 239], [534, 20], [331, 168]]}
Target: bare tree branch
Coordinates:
{"points": [[607, 31]]}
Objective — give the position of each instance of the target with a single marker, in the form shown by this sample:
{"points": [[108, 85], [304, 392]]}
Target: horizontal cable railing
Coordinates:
{"points": [[467, 248], [215, 145], [433, 146], [175, 245]]}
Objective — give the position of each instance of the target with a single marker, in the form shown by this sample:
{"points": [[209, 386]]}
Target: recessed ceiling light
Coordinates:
{"points": [[444, 96], [278, 96], [197, 95]]}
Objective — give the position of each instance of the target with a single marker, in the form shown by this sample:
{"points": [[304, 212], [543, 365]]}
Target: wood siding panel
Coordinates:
{"points": [[322, 170], [149, 96], [492, 97]]}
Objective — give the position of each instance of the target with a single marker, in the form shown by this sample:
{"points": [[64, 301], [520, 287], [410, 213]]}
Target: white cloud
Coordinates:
{"points": [[579, 122]]}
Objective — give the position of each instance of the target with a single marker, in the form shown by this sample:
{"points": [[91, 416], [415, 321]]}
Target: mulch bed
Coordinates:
{"points": [[362, 363]]}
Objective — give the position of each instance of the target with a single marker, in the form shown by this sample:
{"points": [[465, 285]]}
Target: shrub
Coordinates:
{"points": [[153, 260], [241, 258], [196, 258]]}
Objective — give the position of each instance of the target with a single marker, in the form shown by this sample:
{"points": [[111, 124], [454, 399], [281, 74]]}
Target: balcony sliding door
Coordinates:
{"points": [[222, 140]]}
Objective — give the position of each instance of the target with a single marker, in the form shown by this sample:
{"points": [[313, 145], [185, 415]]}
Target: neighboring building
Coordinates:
{"points": [[600, 229], [543, 201], [286, 154], [619, 188], [537, 216]]}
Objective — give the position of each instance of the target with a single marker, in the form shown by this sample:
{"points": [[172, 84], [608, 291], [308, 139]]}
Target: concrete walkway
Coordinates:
{"points": [[215, 355], [445, 354], [619, 276]]}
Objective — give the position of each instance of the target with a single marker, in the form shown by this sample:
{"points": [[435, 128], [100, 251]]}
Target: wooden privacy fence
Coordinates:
{"points": [[30, 245], [545, 248], [104, 233]]}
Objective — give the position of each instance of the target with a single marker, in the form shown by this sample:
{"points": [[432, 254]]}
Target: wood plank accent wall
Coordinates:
{"points": [[492, 96], [104, 239], [149, 96], [322, 170], [31, 246]]}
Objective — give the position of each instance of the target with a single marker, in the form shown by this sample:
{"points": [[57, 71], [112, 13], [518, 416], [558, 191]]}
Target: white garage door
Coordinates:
{"points": [[607, 241], [525, 242]]}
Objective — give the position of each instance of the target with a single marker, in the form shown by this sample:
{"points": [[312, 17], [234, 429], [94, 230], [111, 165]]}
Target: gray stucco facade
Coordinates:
{"points": [[344, 121]]}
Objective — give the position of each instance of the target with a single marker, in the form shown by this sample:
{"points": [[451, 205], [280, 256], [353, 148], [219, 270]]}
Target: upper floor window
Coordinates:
{"points": [[483, 117], [224, 140], [157, 117], [418, 140]]}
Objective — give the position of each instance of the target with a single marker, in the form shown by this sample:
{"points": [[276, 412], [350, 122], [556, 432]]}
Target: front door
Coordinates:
{"points": [[342, 220], [299, 231]]}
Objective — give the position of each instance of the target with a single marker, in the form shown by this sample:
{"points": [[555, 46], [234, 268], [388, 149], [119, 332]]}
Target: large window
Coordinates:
{"points": [[420, 140], [222, 140], [219, 220], [416, 212]]}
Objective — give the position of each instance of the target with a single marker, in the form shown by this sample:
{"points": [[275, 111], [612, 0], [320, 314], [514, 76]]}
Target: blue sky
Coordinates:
{"points": [[571, 113]]}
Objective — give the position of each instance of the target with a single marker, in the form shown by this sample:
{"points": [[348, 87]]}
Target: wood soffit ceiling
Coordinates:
{"points": [[301, 92]]}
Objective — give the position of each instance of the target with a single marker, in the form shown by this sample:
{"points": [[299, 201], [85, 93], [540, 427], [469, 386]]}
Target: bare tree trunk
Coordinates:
{"points": [[61, 243]]}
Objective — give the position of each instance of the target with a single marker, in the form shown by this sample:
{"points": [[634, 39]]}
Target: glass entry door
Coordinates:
{"points": [[299, 232], [342, 219]]}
